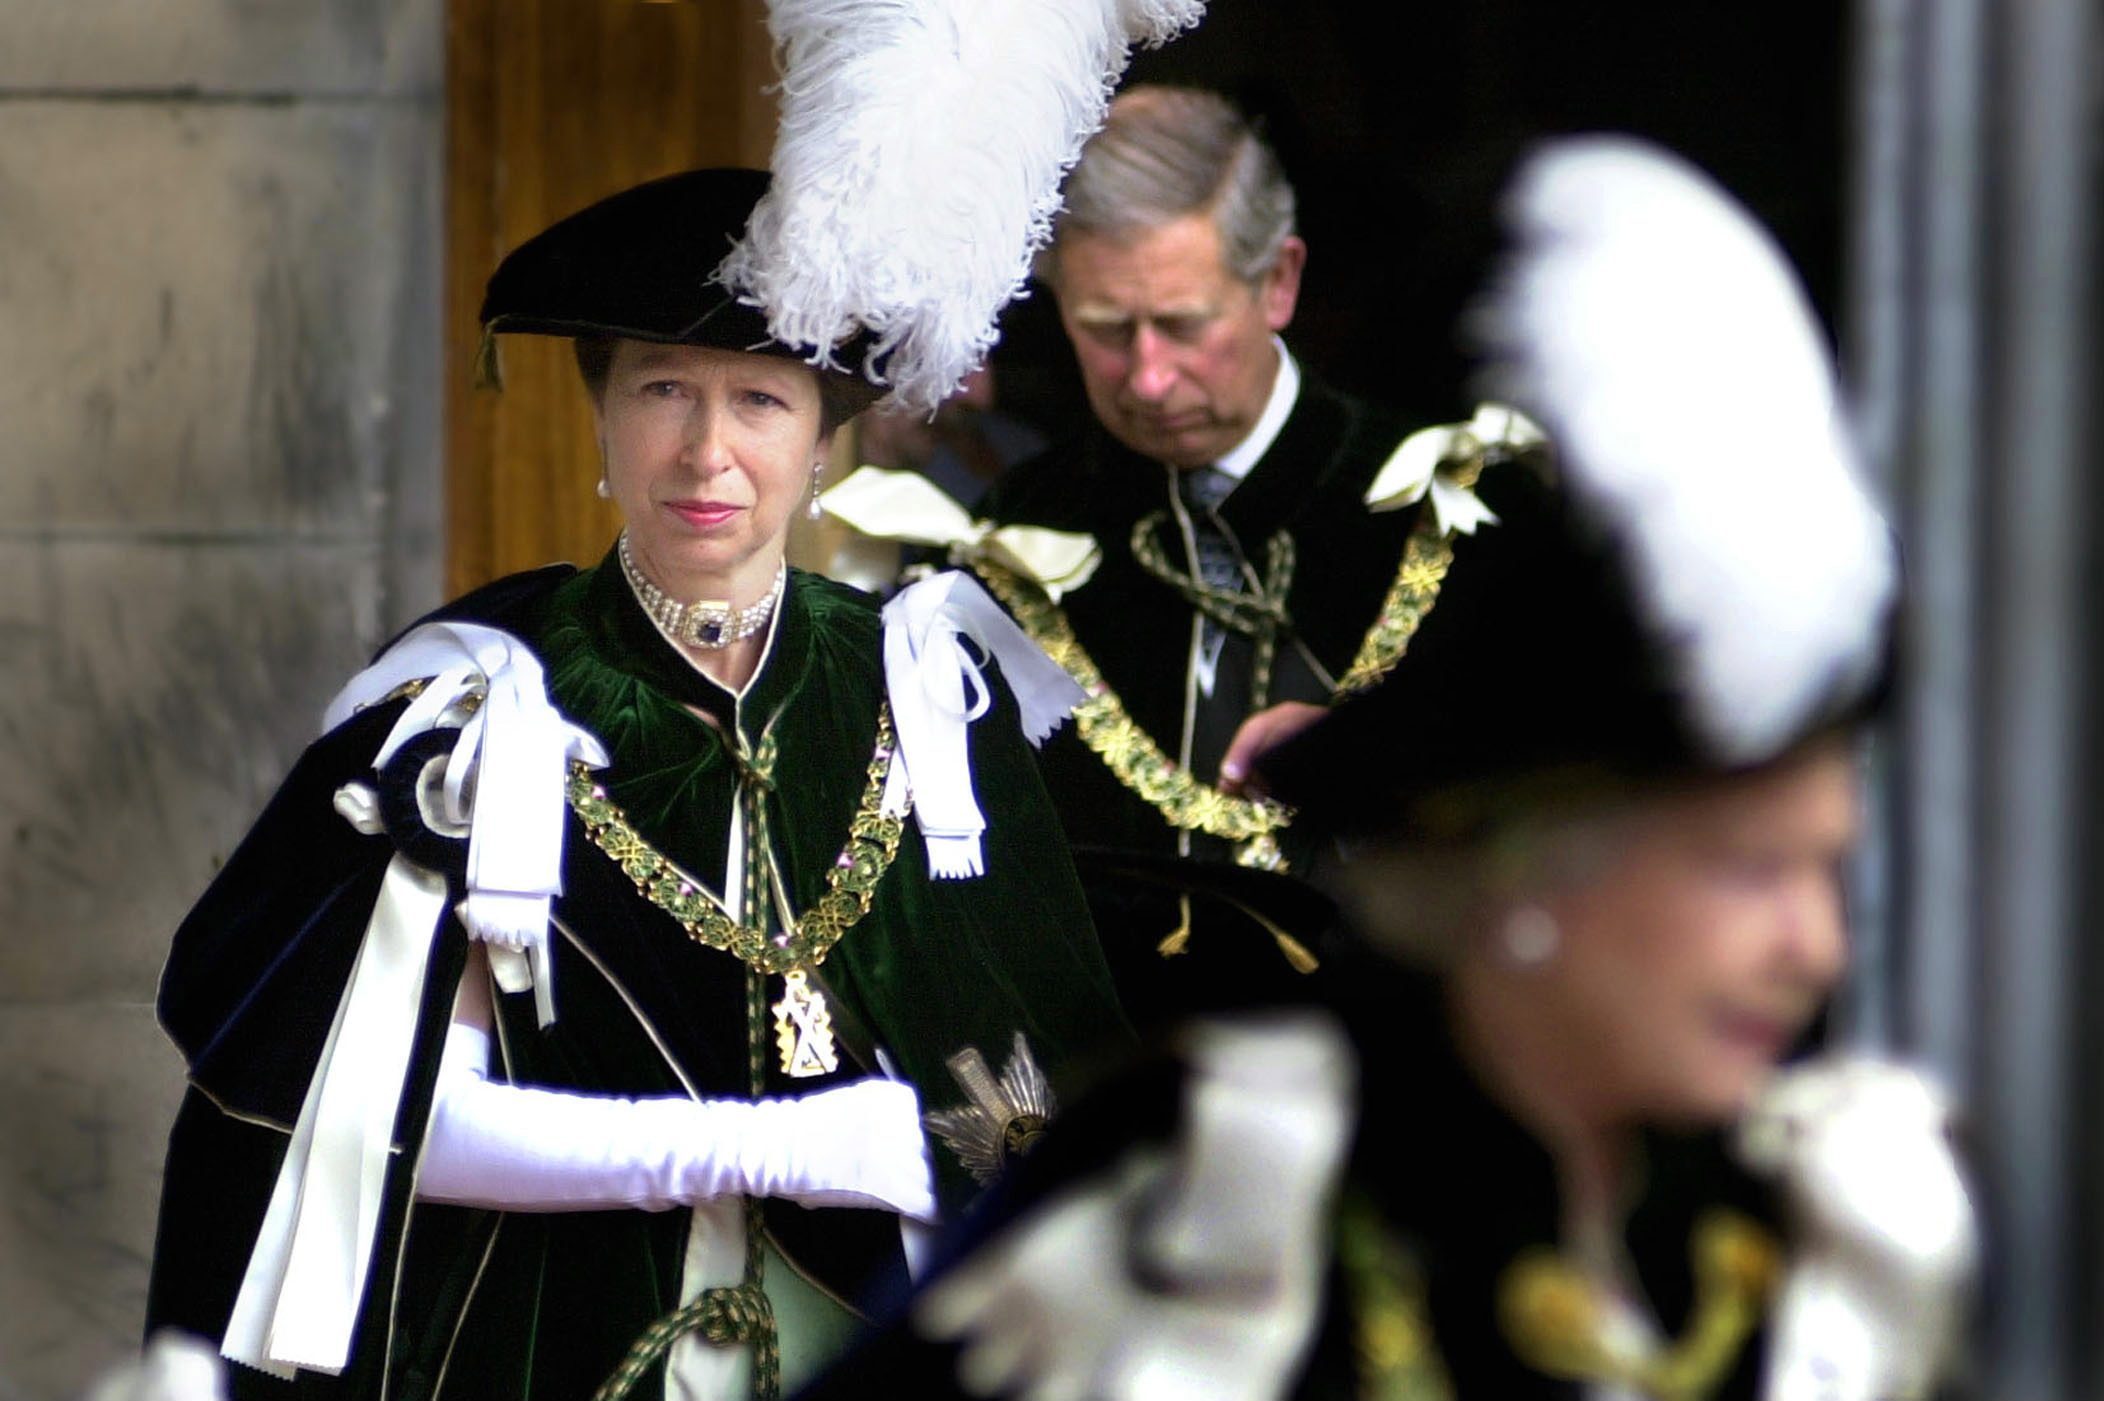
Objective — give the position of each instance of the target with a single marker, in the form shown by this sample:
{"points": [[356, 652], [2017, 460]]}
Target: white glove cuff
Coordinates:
{"points": [[525, 1148]]}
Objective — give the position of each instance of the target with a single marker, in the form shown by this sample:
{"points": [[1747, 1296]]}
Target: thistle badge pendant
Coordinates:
{"points": [[803, 1028]]}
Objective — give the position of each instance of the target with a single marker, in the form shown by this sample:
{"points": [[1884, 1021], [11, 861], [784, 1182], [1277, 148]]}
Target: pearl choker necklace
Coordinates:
{"points": [[711, 622]]}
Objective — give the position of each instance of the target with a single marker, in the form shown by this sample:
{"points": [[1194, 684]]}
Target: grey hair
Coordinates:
{"points": [[1168, 152]]}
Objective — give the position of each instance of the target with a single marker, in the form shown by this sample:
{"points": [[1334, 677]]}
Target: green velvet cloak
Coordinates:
{"points": [[472, 1303]]}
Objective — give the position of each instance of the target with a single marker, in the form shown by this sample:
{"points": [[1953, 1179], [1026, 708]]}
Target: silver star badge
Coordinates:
{"points": [[1002, 1118]]}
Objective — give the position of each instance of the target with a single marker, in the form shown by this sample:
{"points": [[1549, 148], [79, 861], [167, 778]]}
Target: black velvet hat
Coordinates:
{"points": [[909, 193], [640, 265], [1703, 586], [1537, 678]]}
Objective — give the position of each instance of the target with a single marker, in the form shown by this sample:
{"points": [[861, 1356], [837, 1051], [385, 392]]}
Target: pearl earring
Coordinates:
{"points": [[818, 479], [605, 489], [1529, 937]]}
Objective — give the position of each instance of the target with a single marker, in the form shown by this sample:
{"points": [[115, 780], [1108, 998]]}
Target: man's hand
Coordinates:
{"points": [[1264, 730]]}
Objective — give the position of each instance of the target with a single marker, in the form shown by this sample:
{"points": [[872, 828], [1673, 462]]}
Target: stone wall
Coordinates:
{"points": [[219, 489]]}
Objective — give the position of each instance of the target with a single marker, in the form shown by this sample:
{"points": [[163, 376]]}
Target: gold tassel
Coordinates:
{"points": [[1296, 952], [1290, 948], [1179, 938], [489, 370]]}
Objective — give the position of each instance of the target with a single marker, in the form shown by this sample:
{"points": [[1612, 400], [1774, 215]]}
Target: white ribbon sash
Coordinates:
{"points": [[905, 506], [937, 690], [1413, 470], [503, 782], [300, 1297]]}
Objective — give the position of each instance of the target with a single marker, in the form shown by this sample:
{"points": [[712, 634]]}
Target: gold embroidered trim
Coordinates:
{"points": [[1397, 1354], [873, 841], [1132, 755], [408, 690], [1136, 761], [1427, 556], [1553, 1315]]}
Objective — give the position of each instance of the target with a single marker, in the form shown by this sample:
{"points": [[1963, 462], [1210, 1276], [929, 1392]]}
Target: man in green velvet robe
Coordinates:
{"points": [[1243, 581]]}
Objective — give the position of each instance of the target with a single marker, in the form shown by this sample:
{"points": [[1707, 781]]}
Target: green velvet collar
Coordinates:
{"points": [[818, 687], [623, 642]]}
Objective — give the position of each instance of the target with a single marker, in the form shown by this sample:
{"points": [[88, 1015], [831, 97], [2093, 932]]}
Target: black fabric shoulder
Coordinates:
{"points": [[250, 981], [254, 970], [1019, 486], [1078, 483], [512, 602]]}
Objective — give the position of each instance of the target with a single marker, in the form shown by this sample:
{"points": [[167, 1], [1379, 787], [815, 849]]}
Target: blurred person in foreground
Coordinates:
{"points": [[1543, 1146], [563, 1027], [1230, 545]]}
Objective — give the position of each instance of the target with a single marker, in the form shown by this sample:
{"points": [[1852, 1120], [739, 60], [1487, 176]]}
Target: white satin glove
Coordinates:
{"points": [[1190, 1273], [523, 1148], [1884, 1242]]}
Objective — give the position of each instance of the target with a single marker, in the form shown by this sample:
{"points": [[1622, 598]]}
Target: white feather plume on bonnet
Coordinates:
{"points": [[1663, 340], [917, 166]]}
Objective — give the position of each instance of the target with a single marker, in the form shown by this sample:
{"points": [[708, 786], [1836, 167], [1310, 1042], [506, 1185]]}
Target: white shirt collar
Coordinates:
{"points": [[1285, 391]]}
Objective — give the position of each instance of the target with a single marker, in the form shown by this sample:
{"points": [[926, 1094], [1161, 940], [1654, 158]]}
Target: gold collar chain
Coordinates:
{"points": [[1556, 1318], [851, 884], [1138, 762], [1146, 770], [1427, 556]]}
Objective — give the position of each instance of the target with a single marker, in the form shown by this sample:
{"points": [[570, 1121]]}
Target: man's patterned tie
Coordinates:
{"points": [[1203, 488]]}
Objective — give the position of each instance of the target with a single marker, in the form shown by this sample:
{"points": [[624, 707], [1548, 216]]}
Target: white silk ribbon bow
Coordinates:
{"points": [[937, 690], [905, 506], [503, 784], [1413, 469], [514, 749]]}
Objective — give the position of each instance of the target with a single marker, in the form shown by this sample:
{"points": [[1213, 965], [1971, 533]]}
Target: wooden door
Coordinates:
{"points": [[550, 105]]}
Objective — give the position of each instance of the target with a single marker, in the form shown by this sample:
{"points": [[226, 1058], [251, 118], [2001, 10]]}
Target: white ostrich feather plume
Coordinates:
{"points": [[917, 166], [1660, 335]]}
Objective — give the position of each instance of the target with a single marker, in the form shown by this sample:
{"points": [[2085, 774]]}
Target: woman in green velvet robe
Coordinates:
{"points": [[646, 1113]]}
